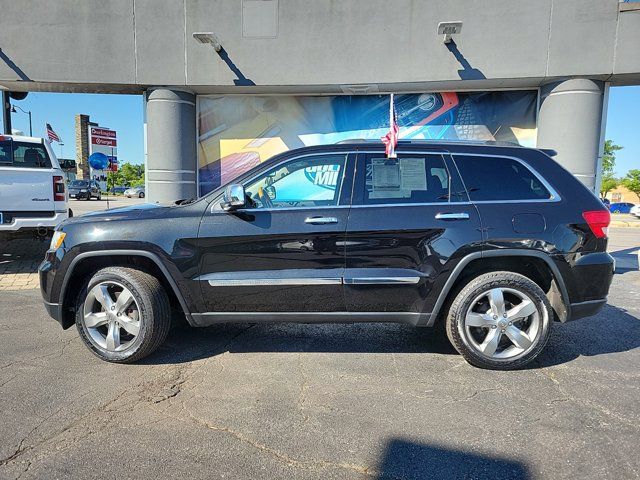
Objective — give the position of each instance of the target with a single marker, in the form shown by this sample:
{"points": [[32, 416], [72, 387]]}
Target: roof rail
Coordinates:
{"points": [[500, 143]]}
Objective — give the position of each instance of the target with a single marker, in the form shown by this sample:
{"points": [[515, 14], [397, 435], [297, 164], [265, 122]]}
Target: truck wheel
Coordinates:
{"points": [[123, 314], [500, 321]]}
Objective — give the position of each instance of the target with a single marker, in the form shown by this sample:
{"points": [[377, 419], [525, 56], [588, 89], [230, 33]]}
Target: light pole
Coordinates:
{"points": [[13, 110]]}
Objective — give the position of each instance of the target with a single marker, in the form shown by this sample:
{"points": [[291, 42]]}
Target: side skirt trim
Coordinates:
{"points": [[213, 318]]}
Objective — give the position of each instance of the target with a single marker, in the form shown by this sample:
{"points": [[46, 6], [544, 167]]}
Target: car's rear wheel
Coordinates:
{"points": [[123, 314], [141, 195], [500, 320]]}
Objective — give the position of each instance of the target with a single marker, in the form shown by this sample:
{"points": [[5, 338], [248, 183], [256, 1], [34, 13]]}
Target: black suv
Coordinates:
{"points": [[85, 189], [492, 242]]}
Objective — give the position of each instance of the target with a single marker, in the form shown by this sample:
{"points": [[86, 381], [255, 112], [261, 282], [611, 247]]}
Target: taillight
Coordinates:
{"points": [[58, 188], [598, 221]]}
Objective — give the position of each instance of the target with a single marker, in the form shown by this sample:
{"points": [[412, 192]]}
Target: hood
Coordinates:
{"points": [[123, 213]]}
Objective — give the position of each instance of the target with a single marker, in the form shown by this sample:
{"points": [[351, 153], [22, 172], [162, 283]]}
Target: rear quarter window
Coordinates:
{"points": [[490, 178], [23, 155]]}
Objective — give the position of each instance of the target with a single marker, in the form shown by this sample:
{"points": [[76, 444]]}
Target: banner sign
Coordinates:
{"points": [[103, 140], [102, 132], [236, 133]]}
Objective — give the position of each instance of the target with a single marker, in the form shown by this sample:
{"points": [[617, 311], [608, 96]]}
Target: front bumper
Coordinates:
{"points": [[46, 272], [54, 310], [34, 223]]}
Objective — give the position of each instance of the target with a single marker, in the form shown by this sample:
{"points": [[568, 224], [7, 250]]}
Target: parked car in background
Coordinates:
{"points": [[635, 211], [32, 189], [85, 190], [134, 192], [493, 243], [118, 190], [621, 207]]}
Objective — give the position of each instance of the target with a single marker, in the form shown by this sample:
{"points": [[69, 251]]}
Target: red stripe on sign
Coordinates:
{"points": [[109, 142]]}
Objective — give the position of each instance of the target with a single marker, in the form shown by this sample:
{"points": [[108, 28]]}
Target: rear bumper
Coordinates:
{"points": [[586, 309], [588, 282], [34, 223]]}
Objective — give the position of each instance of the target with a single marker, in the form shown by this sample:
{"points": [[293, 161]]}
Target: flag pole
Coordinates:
{"points": [[392, 121]]}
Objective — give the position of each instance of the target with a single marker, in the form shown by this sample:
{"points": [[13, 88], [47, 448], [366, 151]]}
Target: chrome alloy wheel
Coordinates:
{"points": [[502, 323], [111, 316]]}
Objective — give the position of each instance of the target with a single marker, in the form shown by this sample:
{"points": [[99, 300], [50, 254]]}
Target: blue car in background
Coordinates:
{"points": [[622, 207]]}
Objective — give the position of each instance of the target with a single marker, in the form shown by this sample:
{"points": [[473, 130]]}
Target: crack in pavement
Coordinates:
{"points": [[277, 454], [549, 374]]}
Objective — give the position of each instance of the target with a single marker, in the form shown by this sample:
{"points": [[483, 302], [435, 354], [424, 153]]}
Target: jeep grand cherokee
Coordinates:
{"points": [[493, 242]]}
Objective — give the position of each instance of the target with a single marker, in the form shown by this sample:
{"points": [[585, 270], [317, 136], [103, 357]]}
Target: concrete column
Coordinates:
{"points": [[171, 145], [571, 120]]}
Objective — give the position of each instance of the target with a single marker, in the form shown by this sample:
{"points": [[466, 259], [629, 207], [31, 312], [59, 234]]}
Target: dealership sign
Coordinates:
{"points": [[103, 140]]}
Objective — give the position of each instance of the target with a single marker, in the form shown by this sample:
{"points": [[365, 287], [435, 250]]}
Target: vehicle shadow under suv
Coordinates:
{"points": [[583, 337]]}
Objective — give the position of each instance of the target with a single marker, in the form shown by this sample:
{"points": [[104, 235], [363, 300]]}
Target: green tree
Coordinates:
{"points": [[608, 181], [128, 175], [607, 184], [609, 157], [632, 181]]}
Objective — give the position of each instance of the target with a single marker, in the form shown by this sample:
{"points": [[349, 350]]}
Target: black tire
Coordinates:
{"points": [[141, 195], [462, 303], [154, 313]]}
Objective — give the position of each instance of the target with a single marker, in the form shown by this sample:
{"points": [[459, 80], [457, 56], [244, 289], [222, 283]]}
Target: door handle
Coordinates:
{"points": [[320, 220], [452, 216]]}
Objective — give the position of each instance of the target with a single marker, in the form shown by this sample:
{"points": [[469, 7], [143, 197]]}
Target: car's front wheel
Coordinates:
{"points": [[141, 195], [500, 320], [123, 314]]}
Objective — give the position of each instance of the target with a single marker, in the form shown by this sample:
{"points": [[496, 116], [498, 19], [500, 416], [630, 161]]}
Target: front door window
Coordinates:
{"points": [[312, 181]]}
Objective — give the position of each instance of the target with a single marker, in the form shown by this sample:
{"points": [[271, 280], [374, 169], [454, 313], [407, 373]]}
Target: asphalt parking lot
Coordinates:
{"points": [[323, 401]]}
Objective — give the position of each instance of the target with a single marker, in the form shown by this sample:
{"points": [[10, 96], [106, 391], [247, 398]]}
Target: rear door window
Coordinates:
{"points": [[490, 178], [23, 155], [410, 178]]}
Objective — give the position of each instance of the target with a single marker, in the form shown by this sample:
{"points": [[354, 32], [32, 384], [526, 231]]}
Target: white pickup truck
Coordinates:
{"points": [[33, 196]]}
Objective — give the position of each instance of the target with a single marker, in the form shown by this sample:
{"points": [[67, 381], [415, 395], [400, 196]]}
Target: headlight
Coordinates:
{"points": [[56, 240]]}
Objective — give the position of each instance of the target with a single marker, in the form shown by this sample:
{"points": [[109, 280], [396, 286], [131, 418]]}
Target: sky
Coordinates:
{"points": [[124, 113], [623, 122]]}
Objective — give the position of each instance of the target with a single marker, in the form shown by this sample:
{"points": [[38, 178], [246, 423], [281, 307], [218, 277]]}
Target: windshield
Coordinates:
{"points": [[79, 183]]}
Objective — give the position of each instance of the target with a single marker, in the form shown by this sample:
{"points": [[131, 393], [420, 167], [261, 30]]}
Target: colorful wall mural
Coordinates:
{"points": [[236, 133]]}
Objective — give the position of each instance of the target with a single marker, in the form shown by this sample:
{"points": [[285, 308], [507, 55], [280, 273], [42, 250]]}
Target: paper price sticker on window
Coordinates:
{"points": [[385, 174]]}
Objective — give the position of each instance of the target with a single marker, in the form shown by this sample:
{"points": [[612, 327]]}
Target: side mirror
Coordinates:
{"points": [[234, 197]]}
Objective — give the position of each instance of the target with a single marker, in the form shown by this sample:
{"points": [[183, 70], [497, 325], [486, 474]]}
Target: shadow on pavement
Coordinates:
{"points": [[583, 337], [587, 337], [22, 255], [626, 260], [409, 460], [186, 344]]}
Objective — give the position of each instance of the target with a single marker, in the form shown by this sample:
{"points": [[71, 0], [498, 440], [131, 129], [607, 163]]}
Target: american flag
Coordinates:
{"points": [[391, 138], [53, 136]]}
